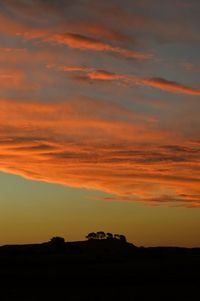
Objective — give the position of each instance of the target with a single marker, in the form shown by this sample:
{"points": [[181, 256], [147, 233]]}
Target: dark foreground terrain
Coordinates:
{"points": [[98, 270]]}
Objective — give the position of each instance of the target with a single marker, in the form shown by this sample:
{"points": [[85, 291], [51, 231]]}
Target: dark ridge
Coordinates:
{"points": [[96, 269]]}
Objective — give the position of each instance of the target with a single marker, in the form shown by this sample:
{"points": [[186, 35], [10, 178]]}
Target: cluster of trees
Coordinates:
{"points": [[57, 244], [102, 235], [57, 240]]}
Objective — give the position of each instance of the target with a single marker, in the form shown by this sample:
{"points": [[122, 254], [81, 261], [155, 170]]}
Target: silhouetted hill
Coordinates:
{"points": [[97, 270], [93, 247], [112, 246]]}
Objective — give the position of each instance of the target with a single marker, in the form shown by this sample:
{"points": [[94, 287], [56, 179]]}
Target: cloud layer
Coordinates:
{"points": [[103, 147], [103, 95]]}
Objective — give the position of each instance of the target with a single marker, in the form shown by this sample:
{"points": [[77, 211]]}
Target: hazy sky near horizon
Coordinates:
{"points": [[99, 119]]}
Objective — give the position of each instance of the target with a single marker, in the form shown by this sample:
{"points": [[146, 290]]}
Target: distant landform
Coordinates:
{"points": [[109, 265]]}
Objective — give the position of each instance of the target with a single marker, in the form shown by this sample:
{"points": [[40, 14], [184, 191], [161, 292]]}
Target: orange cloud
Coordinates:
{"points": [[158, 83], [78, 41], [163, 200], [80, 116], [83, 142], [170, 86], [98, 145], [104, 75]]}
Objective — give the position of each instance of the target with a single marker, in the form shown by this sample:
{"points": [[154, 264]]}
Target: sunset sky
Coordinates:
{"points": [[100, 120]]}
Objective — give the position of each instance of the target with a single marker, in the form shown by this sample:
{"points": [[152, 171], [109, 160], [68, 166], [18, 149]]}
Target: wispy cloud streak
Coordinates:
{"points": [[91, 74]]}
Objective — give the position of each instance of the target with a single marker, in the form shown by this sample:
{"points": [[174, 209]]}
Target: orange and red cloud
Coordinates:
{"points": [[101, 136], [98, 145], [74, 40], [91, 74]]}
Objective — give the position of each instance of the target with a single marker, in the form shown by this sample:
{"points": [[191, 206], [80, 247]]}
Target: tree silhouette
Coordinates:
{"points": [[91, 235], [101, 235], [109, 235], [122, 238], [116, 236], [57, 243], [57, 240]]}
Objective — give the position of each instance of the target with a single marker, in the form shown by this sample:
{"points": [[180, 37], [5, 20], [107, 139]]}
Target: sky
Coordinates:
{"points": [[99, 120]]}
